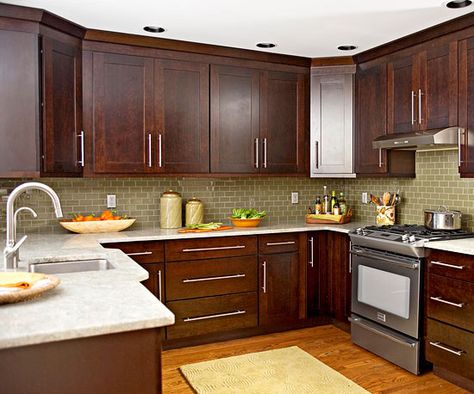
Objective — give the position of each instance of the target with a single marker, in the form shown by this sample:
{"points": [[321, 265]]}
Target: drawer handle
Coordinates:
{"points": [[440, 299], [215, 248], [139, 254], [458, 267], [190, 319], [440, 346], [213, 278], [281, 243]]}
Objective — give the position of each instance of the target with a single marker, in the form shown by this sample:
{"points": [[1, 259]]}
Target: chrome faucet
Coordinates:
{"points": [[11, 251]]}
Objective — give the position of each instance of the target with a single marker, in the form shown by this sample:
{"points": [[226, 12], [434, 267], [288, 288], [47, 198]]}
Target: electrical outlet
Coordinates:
{"points": [[111, 201], [365, 198], [294, 197]]}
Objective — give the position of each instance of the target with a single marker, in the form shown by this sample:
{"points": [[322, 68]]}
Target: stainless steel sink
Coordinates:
{"points": [[65, 267]]}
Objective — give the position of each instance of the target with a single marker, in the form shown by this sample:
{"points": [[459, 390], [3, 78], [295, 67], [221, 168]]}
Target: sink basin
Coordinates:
{"points": [[66, 267]]}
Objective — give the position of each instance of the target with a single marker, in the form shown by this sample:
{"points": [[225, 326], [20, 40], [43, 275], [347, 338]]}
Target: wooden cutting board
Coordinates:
{"points": [[204, 230]]}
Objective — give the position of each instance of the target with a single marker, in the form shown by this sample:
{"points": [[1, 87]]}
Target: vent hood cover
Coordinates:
{"points": [[428, 139]]}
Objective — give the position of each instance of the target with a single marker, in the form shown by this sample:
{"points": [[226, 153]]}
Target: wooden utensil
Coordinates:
{"points": [[386, 198]]}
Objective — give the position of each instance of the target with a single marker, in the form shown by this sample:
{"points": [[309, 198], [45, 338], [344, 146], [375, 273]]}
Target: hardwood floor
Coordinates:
{"points": [[328, 344]]}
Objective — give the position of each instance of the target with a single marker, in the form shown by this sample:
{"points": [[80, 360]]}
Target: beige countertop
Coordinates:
{"points": [[93, 303]]}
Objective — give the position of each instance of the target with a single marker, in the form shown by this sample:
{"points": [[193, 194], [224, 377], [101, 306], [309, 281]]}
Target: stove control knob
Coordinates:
{"points": [[412, 238], [359, 231], [405, 237]]}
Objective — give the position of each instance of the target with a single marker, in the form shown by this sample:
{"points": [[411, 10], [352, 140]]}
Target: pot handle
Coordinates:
{"points": [[445, 208]]}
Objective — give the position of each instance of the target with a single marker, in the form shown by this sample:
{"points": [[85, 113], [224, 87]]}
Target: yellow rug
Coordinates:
{"points": [[280, 371]]}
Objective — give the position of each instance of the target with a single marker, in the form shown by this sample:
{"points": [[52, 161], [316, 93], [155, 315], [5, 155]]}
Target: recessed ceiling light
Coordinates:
{"points": [[346, 47], [154, 29], [266, 45], [458, 3]]}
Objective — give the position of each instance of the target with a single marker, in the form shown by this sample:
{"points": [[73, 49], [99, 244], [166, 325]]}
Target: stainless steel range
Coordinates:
{"points": [[386, 289]]}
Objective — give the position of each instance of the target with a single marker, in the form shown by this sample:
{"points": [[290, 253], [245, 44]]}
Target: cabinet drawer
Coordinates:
{"points": [[213, 314], [278, 243], [202, 278], [450, 348], [142, 251], [208, 248], [451, 301], [453, 265]]}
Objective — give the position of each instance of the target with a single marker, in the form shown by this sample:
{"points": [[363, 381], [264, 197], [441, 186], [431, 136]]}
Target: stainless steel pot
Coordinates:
{"points": [[442, 219]]}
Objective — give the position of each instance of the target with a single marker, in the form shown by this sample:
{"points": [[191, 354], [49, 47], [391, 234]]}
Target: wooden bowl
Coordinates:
{"points": [[246, 222], [99, 226]]}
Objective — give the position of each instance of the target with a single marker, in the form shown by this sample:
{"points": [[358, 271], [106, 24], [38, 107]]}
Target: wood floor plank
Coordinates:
{"points": [[329, 344]]}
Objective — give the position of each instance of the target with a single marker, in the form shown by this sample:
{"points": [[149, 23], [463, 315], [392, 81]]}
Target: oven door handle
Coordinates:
{"points": [[357, 321], [413, 266]]}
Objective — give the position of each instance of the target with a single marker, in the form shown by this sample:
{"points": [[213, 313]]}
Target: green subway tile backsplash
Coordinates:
{"points": [[437, 182]]}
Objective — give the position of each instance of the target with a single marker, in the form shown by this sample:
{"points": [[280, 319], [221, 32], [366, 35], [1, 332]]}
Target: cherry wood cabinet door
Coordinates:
{"points": [[182, 117], [437, 96], [401, 95], [278, 288], [235, 119], [283, 112], [466, 104], [371, 118], [62, 108], [122, 113]]}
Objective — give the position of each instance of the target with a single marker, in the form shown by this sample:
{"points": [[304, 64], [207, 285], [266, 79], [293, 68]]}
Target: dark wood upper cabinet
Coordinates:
{"points": [[401, 95], [235, 119], [466, 104], [423, 88], [279, 288], [258, 120], [182, 116], [62, 108], [282, 116], [371, 118], [438, 86], [122, 105], [19, 104]]}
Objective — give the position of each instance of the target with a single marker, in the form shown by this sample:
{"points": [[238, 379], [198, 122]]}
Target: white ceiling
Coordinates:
{"points": [[311, 28]]}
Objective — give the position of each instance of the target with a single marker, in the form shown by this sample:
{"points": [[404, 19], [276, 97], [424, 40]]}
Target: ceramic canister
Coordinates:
{"points": [[171, 210], [194, 211]]}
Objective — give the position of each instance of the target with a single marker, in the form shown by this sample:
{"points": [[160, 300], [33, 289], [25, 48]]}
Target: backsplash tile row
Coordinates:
{"points": [[437, 183]]}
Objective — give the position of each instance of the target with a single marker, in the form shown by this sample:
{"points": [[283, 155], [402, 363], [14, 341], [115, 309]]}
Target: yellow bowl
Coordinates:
{"points": [[246, 222], [99, 226]]}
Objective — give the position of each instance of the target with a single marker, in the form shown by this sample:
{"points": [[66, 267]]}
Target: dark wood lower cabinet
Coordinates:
{"points": [[127, 362], [329, 277], [278, 288]]}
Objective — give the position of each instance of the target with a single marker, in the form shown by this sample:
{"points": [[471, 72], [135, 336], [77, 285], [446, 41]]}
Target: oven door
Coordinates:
{"points": [[386, 289]]}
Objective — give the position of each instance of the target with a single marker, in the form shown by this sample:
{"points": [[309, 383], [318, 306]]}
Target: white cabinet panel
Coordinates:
{"points": [[331, 149]]}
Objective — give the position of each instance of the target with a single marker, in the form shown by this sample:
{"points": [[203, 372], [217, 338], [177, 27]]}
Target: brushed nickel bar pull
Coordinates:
{"points": [[440, 299], [160, 156], [413, 94], [213, 278], [380, 158], [190, 319], [311, 246], [264, 153], [281, 243], [264, 287], [317, 154], [439, 346], [82, 161], [159, 286], [420, 94], [458, 267], [460, 131], [215, 248], [350, 257], [256, 153], [149, 150], [139, 254]]}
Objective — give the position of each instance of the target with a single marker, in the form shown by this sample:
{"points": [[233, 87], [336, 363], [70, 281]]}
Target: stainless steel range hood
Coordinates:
{"points": [[421, 140]]}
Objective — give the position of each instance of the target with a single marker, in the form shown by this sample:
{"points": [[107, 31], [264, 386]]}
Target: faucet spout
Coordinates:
{"points": [[10, 252]]}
